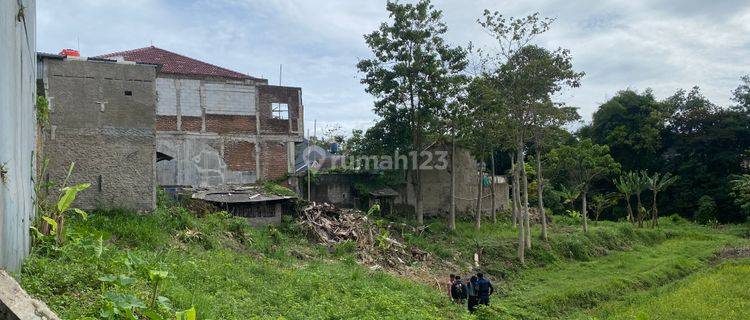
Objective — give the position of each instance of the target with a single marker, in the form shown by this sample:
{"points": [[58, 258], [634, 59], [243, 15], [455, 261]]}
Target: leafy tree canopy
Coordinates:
{"points": [[630, 124]]}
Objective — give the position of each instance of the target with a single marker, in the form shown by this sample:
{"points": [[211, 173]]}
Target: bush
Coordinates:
{"points": [[706, 210]]}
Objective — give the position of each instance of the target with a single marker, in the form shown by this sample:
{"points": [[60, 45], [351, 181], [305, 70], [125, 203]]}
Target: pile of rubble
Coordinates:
{"points": [[377, 246], [536, 218]]}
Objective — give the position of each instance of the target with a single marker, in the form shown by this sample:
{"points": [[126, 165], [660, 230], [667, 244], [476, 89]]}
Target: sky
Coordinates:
{"points": [[664, 45]]}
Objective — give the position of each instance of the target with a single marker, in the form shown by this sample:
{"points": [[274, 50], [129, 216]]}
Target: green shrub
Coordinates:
{"points": [[706, 210]]}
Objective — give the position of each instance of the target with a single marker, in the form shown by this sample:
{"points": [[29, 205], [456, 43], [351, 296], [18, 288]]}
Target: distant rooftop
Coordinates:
{"points": [[174, 63]]}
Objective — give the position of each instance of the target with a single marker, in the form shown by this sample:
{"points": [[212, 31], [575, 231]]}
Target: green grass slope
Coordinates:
{"points": [[715, 293], [228, 270], [224, 268]]}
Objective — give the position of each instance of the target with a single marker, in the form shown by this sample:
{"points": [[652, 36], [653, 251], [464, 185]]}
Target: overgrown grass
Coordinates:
{"points": [[228, 270], [223, 267], [498, 243], [717, 293], [555, 290], [575, 270]]}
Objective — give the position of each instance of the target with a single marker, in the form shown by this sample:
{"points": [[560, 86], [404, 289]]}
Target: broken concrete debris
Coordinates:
{"points": [[16, 304]]}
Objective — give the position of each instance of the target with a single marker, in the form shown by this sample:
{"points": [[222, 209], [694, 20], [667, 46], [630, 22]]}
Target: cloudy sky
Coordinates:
{"points": [[664, 45]]}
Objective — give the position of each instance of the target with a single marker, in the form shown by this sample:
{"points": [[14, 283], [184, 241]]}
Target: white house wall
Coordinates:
{"points": [[230, 99], [166, 101], [17, 130], [219, 97]]}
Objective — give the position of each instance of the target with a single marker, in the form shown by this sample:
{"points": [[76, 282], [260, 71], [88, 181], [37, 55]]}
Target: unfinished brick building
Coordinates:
{"points": [[216, 126]]}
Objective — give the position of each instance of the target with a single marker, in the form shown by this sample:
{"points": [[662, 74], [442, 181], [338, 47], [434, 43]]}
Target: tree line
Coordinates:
{"points": [[500, 103]]}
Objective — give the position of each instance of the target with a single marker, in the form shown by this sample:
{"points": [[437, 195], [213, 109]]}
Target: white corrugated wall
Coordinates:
{"points": [[17, 128]]}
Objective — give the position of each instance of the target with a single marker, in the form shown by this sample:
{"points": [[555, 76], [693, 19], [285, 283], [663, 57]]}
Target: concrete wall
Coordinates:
{"points": [[436, 188], [336, 189], [17, 130], [222, 132], [199, 160], [103, 117]]}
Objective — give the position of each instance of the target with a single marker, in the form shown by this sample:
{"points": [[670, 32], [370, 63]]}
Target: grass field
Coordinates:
{"points": [[228, 270], [720, 292]]}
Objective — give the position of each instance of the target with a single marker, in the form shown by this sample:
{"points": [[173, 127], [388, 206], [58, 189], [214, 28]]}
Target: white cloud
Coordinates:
{"points": [[621, 44]]}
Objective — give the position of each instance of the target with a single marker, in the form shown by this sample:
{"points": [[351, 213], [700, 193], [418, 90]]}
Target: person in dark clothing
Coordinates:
{"points": [[458, 290], [471, 291], [484, 289]]}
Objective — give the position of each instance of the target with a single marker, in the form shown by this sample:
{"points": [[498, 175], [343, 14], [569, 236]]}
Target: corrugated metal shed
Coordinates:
{"points": [[17, 128]]}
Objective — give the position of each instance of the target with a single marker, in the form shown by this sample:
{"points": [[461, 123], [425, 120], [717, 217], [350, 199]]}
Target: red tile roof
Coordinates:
{"points": [[174, 63]]}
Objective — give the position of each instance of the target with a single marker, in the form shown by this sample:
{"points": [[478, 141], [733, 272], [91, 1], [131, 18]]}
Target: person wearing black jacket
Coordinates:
{"points": [[458, 290], [471, 291], [484, 289]]}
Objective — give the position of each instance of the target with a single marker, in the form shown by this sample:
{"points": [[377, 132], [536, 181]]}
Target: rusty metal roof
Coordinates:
{"points": [[236, 195], [384, 193]]}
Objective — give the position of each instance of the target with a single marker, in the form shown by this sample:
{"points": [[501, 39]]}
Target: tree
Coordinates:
{"points": [[411, 74], [480, 128], [601, 202], [741, 192], [526, 77], [583, 162], [631, 124], [625, 187], [639, 182], [512, 35], [657, 183], [705, 146], [741, 95], [547, 119], [569, 195]]}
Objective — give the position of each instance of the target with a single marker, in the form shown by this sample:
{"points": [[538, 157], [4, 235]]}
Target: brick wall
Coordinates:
{"points": [[276, 94], [193, 124], [273, 160], [232, 111], [239, 155], [166, 123], [230, 124]]}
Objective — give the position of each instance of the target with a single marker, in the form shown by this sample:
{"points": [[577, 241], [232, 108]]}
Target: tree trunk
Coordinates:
{"points": [[516, 195], [583, 212], [631, 218], [60, 236], [492, 187], [452, 217], [639, 207], [519, 211], [654, 213], [418, 195], [525, 200], [478, 213], [417, 146], [540, 191]]}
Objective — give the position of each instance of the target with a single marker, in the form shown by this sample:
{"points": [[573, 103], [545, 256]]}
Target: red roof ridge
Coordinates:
{"points": [[121, 53], [155, 55]]}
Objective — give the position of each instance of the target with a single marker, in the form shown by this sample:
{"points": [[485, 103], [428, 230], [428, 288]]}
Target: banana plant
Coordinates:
{"points": [[656, 183], [156, 277], [568, 195], [55, 217], [626, 190], [638, 182], [600, 202]]}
